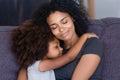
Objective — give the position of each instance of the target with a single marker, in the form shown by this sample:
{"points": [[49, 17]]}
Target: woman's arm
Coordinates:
{"points": [[22, 75], [89, 62], [86, 67], [66, 58]]}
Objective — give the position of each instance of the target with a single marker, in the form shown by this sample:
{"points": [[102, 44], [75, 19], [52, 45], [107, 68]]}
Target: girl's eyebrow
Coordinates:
{"points": [[57, 42]]}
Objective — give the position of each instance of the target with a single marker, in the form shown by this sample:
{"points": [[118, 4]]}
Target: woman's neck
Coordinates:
{"points": [[71, 42]]}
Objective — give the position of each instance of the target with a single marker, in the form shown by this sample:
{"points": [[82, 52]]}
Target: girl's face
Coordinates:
{"points": [[54, 49], [61, 25]]}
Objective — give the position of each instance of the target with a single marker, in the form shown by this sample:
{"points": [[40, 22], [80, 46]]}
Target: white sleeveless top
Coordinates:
{"points": [[35, 74]]}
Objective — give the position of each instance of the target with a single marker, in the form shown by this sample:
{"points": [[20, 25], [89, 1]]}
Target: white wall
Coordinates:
{"points": [[106, 8]]}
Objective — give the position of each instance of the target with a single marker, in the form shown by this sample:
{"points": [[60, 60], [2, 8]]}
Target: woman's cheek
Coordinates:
{"points": [[55, 32]]}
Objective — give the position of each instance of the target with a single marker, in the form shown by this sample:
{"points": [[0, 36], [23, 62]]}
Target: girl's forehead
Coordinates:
{"points": [[55, 41]]}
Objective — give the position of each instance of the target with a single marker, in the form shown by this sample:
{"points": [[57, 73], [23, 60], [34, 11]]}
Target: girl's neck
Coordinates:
{"points": [[71, 42]]}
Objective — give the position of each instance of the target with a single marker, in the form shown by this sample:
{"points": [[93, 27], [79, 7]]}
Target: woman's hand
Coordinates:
{"points": [[89, 35]]}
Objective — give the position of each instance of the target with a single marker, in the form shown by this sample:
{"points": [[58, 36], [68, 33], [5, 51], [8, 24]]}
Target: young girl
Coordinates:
{"points": [[32, 45]]}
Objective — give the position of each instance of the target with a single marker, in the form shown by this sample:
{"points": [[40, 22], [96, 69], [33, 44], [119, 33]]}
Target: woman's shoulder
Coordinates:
{"points": [[93, 45], [94, 40]]}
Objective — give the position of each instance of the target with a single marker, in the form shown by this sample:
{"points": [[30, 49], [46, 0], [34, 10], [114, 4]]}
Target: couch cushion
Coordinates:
{"points": [[8, 65], [108, 30], [111, 37]]}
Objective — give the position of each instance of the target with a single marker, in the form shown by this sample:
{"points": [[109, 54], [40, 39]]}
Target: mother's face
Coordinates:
{"points": [[61, 25]]}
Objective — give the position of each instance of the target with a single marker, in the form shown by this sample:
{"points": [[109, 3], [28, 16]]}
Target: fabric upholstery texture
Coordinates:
{"points": [[108, 29], [8, 65]]}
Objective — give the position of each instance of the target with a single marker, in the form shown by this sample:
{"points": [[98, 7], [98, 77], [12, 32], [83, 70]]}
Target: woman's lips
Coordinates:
{"points": [[65, 34]]}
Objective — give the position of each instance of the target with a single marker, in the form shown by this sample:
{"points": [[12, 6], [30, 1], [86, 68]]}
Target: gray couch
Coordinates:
{"points": [[108, 29]]}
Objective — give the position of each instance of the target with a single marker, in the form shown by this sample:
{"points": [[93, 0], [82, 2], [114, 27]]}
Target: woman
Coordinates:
{"points": [[68, 22]]}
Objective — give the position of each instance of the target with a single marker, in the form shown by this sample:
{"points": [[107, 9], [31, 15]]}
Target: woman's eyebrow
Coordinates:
{"points": [[63, 18], [52, 24], [60, 20]]}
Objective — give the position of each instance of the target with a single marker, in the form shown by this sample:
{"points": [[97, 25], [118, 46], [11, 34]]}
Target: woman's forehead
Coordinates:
{"points": [[57, 16]]}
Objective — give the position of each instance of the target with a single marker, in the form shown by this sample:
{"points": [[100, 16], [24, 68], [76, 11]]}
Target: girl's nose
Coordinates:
{"points": [[61, 49]]}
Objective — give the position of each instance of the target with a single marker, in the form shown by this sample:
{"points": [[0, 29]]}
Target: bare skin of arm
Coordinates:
{"points": [[64, 59], [22, 75], [86, 67]]}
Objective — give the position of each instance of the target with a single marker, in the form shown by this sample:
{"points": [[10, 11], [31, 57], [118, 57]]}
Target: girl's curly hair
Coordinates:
{"points": [[76, 11], [30, 43]]}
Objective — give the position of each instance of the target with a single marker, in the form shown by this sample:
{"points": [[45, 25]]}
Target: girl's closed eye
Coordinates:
{"points": [[56, 46]]}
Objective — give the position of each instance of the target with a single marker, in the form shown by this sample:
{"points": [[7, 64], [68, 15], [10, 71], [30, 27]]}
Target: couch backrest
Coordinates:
{"points": [[108, 29], [111, 37], [8, 65]]}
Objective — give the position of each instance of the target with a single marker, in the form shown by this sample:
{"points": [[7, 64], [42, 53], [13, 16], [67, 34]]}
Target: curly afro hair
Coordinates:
{"points": [[76, 11], [30, 43]]}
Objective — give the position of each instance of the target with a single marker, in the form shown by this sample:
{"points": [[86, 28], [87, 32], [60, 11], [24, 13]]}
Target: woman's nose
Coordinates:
{"points": [[61, 29]]}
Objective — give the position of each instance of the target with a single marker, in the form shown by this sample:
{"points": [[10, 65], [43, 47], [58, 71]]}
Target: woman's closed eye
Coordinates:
{"points": [[64, 21], [53, 27]]}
